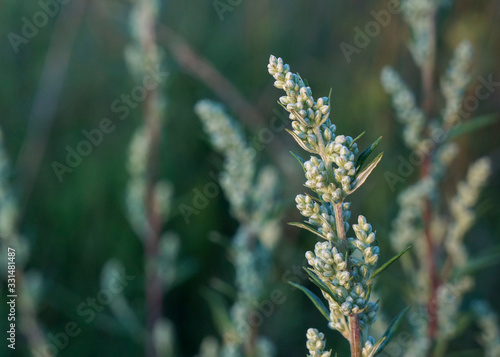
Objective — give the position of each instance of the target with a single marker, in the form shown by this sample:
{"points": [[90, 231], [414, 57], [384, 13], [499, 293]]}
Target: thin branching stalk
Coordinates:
{"points": [[143, 54], [427, 77]]}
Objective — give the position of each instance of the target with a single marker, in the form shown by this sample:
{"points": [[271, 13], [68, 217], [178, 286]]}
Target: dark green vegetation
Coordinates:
{"points": [[76, 225]]}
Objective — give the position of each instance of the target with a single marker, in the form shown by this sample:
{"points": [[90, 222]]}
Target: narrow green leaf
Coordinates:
{"points": [[299, 159], [319, 200], [323, 121], [219, 310], [359, 136], [299, 141], [368, 292], [223, 288], [315, 279], [320, 284], [306, 227], [316, 300], [300, 118], [365, 154], [386, 265], [282, 105], [391, 329], [376, 347], [472, 125], [361, 178], [474, 264]]}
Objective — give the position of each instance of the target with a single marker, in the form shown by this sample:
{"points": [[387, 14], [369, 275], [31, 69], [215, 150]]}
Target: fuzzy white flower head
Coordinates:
{"points": [[407, 112], [455, 81]]}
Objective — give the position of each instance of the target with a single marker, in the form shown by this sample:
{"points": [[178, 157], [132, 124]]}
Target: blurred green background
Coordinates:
{"points": [[75, 226]]}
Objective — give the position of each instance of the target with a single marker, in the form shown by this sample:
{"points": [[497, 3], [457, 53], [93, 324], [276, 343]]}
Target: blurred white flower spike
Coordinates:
{"points": [[253, 197]]}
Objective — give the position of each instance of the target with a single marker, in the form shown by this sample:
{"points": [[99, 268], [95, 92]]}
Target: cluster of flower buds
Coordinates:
{"points": [[341, 266], [407, 111], [365, 238], [315, 133], [455, 81], [419, 14], [330, 265], [298, 100], [368, 347], [239, 167], [316, 344]]}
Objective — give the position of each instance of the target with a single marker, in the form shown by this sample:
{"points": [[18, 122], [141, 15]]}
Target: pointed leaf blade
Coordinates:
{"points": [[299, 141], [300, 118], [315, 299], [219, 310], [471, 126], [387, 264], [475, 264], [391, 329], [299, 159], [361, 178], [308, 228], [359, 136], [376, 347], [320, 284], [366, 153]]}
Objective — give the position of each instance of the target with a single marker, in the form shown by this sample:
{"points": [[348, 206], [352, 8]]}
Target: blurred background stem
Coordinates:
{"points": [[428, 92]]}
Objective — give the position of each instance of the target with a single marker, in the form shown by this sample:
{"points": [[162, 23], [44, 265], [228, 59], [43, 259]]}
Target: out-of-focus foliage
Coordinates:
{"points": [[75, 226]]}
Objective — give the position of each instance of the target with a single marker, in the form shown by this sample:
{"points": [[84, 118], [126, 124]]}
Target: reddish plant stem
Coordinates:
{"points": [[432, 323], [153, 284], [354, 334], [152, 123], [428, 69], [427, 75]]}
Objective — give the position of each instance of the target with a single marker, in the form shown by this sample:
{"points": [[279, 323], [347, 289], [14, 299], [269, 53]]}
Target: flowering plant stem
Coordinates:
{"points": [[354, 338], [144, 46], [439, 270], [427, 75], [341, 267]]}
